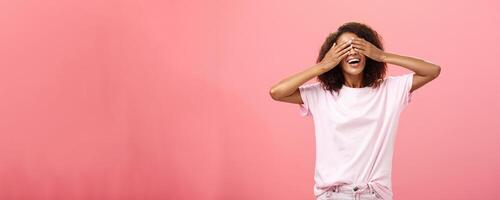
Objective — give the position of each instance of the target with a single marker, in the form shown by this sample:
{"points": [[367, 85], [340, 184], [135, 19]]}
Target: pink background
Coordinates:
{"points": [[169, 99]]}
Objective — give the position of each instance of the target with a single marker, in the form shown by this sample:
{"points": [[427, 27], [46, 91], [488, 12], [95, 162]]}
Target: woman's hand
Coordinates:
{"points": [[335, 55], [368, 49]]}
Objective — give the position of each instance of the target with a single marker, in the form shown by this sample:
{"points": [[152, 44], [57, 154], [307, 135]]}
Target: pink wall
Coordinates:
{"points": [[169, 100]]}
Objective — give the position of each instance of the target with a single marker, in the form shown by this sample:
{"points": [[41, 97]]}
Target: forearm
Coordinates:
{"points": [[290, 84], [419, 66]]}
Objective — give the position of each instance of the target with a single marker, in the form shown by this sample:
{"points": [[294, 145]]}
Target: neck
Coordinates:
{"points": [[354, 81]]}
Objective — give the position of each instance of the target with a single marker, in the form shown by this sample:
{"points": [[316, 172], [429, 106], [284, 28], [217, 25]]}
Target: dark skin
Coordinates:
{"points": [[287, 89], [350, 45]]}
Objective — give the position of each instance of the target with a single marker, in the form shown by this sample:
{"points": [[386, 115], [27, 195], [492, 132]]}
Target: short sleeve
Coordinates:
{"points": [[309, 95], [401, 86]]}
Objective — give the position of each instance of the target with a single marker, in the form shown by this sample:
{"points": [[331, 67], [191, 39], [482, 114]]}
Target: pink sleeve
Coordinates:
{"points": [[402, 85], [308, 94]]}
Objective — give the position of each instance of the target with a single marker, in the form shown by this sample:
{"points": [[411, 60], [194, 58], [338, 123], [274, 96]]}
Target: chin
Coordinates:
{"points": [[353, 71]]}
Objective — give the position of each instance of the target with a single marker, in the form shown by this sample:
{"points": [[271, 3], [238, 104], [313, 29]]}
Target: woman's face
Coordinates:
{"points": [[355, 68]]}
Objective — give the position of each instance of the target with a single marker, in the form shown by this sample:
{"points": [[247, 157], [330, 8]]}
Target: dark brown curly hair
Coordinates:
{"points": [[374, 71]]}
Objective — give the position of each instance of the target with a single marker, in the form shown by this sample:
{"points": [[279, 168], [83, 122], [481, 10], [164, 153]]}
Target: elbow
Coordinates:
{"points": [[433, 71], [437, 71], [274, 94]]}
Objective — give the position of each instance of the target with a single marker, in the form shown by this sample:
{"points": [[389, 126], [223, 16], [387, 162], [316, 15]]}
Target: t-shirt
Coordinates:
{"points": [[355, 132]]}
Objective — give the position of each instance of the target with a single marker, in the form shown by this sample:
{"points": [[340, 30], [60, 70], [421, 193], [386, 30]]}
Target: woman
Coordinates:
{"points": [[355, 110]]}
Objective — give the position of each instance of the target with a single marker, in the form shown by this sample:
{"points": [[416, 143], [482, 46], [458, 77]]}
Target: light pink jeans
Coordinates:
{"points": [[349, 192]]}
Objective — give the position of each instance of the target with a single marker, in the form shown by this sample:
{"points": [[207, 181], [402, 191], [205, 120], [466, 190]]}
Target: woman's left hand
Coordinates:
{"points": [[368, 49]]}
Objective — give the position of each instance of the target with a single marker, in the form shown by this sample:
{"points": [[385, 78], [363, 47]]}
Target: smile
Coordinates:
{"points": [[354, 62]]}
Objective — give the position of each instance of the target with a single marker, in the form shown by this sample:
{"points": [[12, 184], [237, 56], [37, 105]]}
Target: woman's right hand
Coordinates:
{"points": [[336, 54]]}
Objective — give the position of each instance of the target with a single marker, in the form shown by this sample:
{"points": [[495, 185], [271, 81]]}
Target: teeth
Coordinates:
{"points": [[353, 60]]}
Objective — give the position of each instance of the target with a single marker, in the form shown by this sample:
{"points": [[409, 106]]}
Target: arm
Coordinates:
{"points": [[287, 89], [424, 71]]}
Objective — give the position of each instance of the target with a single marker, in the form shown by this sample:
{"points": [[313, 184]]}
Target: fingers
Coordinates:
{"points": [[358, 40], [332, 46], [342, 46], [360, 43], [357, 46], [344, 51], [362, 51], [344, 55]]}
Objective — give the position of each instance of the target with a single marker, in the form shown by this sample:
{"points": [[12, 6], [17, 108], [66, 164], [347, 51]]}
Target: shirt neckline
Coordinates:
{"points": [[357, 89]]}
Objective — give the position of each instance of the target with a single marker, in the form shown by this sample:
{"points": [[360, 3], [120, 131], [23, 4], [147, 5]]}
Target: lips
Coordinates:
{"points": [[353, 61]]}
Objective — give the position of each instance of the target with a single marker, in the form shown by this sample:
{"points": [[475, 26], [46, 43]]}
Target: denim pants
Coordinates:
{"points": [[349, 192]]}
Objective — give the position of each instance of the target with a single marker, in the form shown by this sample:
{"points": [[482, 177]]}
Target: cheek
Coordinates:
{"points": [[363, 62], [344, 65]]}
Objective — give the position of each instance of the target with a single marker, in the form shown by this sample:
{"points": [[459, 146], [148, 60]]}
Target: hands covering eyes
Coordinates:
{"points": [[368, 49], [336, 54]]}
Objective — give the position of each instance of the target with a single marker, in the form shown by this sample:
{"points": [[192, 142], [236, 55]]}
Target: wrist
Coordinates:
{"points": [[323, 67], [383, 56]]}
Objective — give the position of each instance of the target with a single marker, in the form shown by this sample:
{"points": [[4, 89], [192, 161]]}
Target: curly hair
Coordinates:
{"points": [[374, 71]]}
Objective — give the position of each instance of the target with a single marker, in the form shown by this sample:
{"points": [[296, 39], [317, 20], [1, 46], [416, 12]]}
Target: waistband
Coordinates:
{"points": [[356, 189]]}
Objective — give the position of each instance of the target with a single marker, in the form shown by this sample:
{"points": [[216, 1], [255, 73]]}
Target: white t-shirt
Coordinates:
{"points": [[355, 131]]}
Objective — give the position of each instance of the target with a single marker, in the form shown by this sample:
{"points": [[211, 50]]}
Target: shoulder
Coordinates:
{"points": [[311, 85], [311, 90], [398, 79]]}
